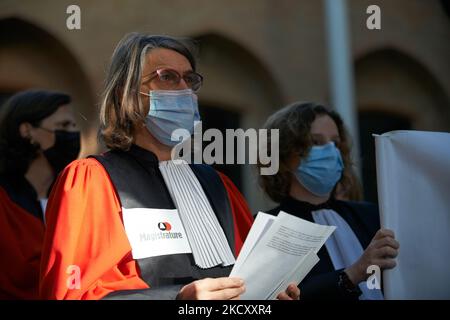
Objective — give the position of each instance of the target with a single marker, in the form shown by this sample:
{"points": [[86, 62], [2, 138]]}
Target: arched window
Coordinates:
{"points": [[394, 92]]}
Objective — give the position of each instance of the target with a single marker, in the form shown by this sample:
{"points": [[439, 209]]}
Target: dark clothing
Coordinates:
{"points": [[139, 184], [21, 192], [363, 219], [90, 196]]}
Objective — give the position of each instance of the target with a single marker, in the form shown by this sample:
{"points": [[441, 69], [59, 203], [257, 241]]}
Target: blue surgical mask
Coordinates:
{"points": [[321, 170], [171, 110]]}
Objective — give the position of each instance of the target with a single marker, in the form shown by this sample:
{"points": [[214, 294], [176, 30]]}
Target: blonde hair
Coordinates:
{"points": [[121, 108]]}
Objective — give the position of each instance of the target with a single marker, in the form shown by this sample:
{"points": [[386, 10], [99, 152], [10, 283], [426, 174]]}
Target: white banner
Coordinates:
{"points": [[413, 172]]}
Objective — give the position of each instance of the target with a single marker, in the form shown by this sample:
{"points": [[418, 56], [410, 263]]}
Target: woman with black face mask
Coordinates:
{"points": [[38, 138]]}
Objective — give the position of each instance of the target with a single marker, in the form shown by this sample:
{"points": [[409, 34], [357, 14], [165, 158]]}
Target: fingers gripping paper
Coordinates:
{"points": [[278, 250], [413, 172]]}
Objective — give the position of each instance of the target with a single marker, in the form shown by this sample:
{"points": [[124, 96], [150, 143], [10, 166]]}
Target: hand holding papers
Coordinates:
{"points": [[278, 250]]}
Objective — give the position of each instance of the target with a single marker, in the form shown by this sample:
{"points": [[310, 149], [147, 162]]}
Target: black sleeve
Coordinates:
{"points": [[169, 292], [325, 286], [368, 215]]}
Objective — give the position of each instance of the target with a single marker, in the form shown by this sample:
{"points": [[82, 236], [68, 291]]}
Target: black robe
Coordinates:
{"points": [[88, 199], [363, 219]]}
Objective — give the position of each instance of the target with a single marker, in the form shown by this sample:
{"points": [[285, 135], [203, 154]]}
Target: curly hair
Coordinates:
{"points": [[294, 125]]}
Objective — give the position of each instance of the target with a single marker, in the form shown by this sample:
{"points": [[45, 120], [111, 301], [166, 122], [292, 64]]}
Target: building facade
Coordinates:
{"points": [[256, 56]]}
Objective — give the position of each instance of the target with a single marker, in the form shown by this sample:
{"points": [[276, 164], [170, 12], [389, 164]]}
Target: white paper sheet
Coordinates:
{"points": [[303, 267], [285, 252], [260, 226], [413, 173]]}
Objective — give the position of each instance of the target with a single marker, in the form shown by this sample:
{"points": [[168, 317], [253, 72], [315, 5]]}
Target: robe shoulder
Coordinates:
{"points": [[86, 252]]}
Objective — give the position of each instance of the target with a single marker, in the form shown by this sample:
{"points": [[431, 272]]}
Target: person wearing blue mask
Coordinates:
{"points": [[314, 161], [144, 225]]}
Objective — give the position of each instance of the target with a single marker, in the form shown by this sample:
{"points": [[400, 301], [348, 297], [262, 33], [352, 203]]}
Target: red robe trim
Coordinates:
{"points": [[86, 251], [21, 237]]}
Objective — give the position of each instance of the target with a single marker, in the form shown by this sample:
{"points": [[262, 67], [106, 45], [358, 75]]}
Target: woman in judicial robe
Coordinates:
{"points": [[314, 157], [131, 223], [38, 138]]}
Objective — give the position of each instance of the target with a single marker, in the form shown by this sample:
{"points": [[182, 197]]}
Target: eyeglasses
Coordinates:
{"points": [[169, 79]]}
